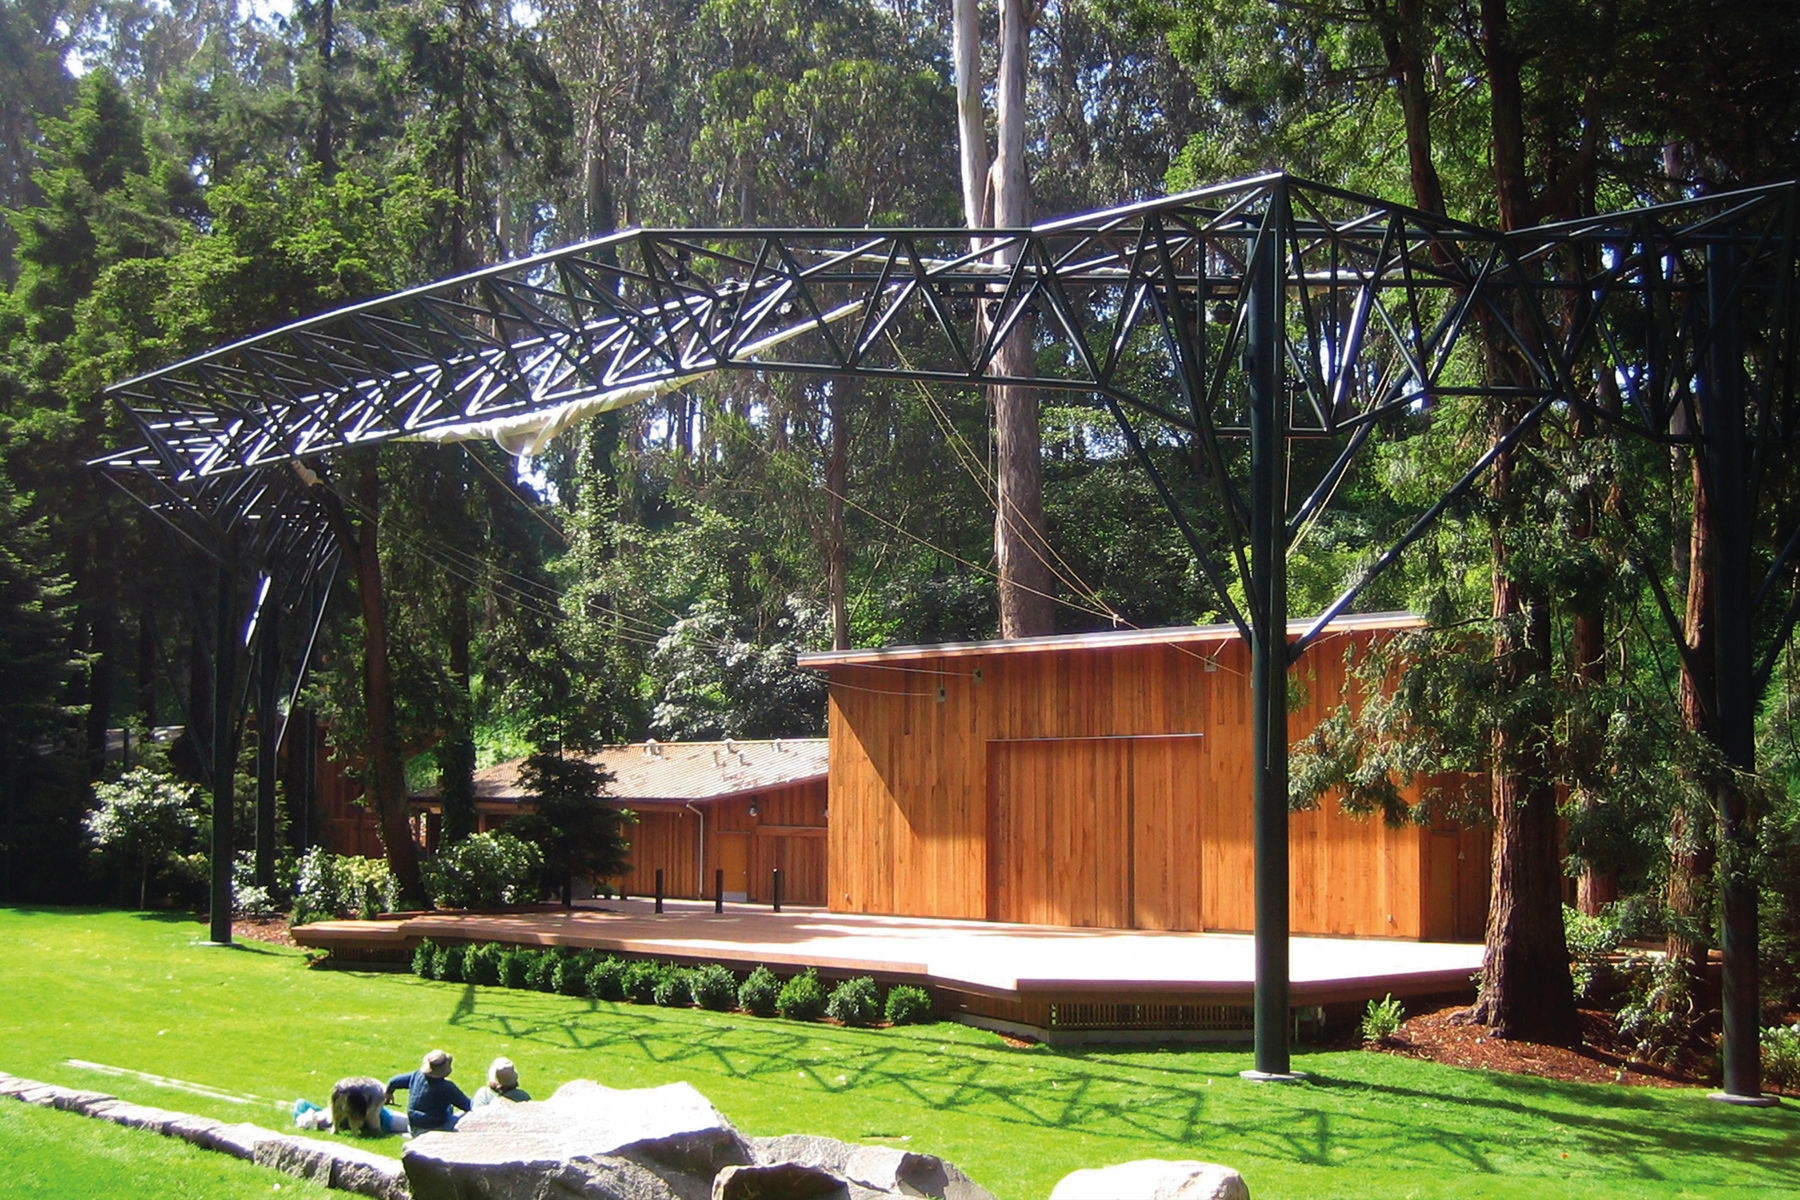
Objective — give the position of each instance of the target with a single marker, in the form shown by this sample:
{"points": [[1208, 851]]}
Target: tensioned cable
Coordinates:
{"points": [[542, 601], [1061, 569]]}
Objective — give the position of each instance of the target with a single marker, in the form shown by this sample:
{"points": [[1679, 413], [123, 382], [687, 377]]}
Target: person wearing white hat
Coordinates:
{"points": [[502, 1084]]}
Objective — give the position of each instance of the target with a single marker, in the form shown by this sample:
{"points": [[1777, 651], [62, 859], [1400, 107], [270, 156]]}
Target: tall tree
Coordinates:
{"points": [[996, 192]]}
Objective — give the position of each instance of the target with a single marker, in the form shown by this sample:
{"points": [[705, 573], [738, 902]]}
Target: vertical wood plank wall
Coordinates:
{"points": [[1070, 788], [788, 832]]}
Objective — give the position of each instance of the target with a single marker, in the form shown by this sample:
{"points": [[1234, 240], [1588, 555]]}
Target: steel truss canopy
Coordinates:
{"points": [[1250, 340], [1143, 307]]}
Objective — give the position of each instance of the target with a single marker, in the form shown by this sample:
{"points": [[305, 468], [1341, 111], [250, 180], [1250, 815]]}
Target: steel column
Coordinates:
{"points": [[1728, 478], [1268, 638], [224, 709], [268, 659]]}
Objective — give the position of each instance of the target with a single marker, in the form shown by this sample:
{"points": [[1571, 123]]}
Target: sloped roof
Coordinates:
{"points": [[1175, 635], [683, 772]]}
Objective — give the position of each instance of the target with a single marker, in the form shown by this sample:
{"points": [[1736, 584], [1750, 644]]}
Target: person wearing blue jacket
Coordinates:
{"points": [[431, 1099]]}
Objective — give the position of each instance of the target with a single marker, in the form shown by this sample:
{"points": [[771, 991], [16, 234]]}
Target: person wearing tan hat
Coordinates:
{"points": [[502, 1084], [430, 1096]]}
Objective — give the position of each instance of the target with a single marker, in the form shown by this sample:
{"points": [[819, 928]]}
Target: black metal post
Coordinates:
{"points": [[719, 889], [775, 887], [267, 724], [224, 656], [659, 891], [1268, 641], [1729, 516]]}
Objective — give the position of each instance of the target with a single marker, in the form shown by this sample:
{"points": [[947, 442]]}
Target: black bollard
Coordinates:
{"points": [[719, 889], [659, 891], [775, 886]]}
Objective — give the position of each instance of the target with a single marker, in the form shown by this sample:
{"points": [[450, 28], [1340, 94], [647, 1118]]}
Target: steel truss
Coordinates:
{"points": [[1270, 330]]}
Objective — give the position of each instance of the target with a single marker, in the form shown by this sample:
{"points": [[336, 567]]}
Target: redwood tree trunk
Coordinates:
{"points": [[1692, 849], [998, 193], [1526, 991], [386, 776], [837, 485]]}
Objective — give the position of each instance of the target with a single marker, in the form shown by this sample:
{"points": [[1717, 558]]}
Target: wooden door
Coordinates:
{"points": [[732, 853], [1061, 846]]}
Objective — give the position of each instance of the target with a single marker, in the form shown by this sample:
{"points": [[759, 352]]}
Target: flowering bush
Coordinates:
{"points": [[487, 870]]}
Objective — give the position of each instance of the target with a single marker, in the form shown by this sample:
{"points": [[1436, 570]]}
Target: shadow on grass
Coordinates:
{"points": [[1494, 1125]]}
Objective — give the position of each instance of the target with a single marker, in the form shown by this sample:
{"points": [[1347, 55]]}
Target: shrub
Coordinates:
{"points": [[758, 992], [801, 998], [1781, 1056], [606, 979], [907, 1005], [713, 986], [671, 987], [425, 959], [486, 870], [1659, 1010], [514, 962], [539, 967], [451, 968], [481, 964], [331, 885], [1591, 942], [640, 981], [855, 1002], [569, 976], [1381, 1020]]}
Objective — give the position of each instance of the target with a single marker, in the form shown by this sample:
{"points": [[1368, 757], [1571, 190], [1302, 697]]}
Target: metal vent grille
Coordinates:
{"points": [[1150, 1016]]}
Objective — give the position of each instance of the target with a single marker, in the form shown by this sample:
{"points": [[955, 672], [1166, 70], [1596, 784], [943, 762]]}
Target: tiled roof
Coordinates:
{"points": [[1178, 635], [681, 772]]}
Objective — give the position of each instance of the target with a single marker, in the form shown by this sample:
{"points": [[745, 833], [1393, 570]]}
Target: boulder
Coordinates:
{"points": [[789, 1181], [672, 1133], [193, 1129], [239, 1141], [135, 1116], [71, 1100], [302, 1157], [354, 1169], [496, 1166], [1153, 1179], [882, 1170]]}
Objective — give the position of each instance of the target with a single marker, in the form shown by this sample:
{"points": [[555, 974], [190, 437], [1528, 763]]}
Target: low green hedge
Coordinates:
{"points": [[714, 986]]}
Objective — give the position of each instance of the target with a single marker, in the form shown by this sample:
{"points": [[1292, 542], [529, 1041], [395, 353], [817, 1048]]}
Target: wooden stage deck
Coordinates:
{"points": [[1045, 979]]}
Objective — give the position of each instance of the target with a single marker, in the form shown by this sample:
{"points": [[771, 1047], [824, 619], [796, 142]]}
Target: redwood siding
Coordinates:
{"points": [[787, 832], [1069, 788]]}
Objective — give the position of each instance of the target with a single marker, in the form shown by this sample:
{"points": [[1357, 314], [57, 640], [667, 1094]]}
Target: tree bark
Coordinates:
{"points": [[1692, 853], [385, 775], [837, 484], [998, 193], [1526, 991]]}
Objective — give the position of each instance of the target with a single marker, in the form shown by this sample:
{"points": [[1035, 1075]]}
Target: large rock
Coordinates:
{"points": [[239, 1141], [789, 1181], [881, 1170], [354, 1169], [665, 1143], [303, 1157], [1153, 1179]]}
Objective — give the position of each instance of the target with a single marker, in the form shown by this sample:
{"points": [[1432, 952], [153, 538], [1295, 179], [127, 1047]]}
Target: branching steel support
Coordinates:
{"points": [[224, 720], [1729, 478], [1268, 640]]}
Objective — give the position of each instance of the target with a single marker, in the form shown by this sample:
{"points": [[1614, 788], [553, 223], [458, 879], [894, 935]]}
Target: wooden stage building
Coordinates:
{"points": [[1104, 780], [1055, 983]]}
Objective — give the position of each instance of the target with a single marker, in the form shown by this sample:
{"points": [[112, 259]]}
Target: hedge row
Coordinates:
{"points": [[714, 986]]}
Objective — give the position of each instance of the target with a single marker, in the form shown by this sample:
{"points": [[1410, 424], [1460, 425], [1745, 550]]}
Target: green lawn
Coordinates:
{"points": [[248, 1029]]}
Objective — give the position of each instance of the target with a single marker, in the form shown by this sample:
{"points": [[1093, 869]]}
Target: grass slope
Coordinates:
{"points": [[254, 1029]]}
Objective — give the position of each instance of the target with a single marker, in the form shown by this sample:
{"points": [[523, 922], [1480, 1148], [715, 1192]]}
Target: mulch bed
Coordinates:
{"points": [[262, 929], [1602, 1057]]}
